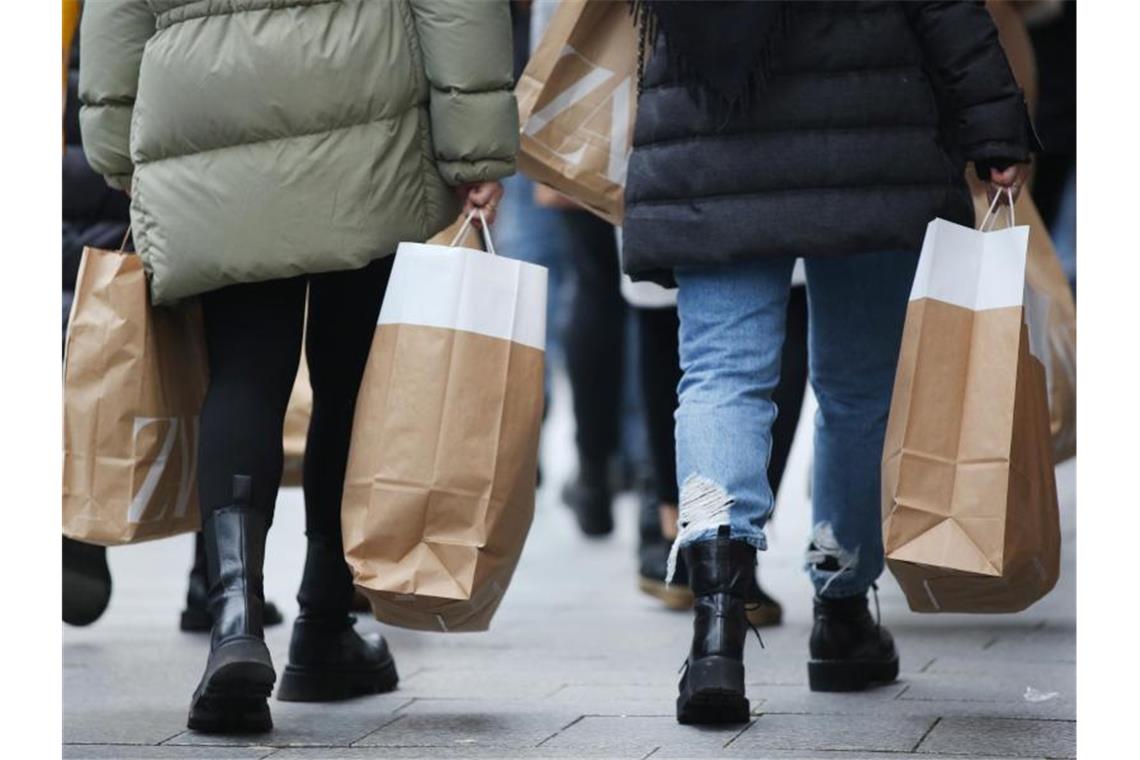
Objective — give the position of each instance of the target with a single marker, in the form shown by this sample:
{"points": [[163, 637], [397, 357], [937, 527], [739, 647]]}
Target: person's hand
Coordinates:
{"points": [[480, 195], [1011, 178]]}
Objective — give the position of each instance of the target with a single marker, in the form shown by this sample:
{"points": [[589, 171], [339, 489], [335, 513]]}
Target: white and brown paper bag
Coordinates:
{"points": [[134, 379], [577, 100], [970, 521], [439, 492]]}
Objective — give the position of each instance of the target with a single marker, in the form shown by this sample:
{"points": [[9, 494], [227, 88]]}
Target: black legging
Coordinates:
{"points": [[253, 341], [660, 372]]}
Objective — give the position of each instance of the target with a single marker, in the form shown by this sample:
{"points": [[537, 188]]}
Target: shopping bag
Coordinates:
{"points": [[296, 430], [440, 485], [300, 408], [1051, 298], [134, 379], [577, 100], [970, 520]]}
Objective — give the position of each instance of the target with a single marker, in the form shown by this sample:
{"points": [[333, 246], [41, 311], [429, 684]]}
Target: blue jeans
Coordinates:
{"points": [[732, 333]]}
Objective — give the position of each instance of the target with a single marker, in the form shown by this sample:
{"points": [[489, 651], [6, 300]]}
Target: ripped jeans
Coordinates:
{"points": [[732, 332]]}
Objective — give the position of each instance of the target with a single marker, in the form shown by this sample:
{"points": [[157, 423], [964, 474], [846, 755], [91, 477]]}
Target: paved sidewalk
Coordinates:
{"points": [[579, 664]]}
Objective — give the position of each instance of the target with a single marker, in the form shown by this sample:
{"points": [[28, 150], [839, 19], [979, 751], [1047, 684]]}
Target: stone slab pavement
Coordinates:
{"points": [[578, 663]]}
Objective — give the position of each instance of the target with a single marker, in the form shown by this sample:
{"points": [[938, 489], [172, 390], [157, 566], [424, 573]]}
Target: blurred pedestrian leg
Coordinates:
{"points": [[594, 344]]}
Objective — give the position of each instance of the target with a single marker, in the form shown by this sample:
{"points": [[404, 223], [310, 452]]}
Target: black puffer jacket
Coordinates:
{"points": [[859, 137]]}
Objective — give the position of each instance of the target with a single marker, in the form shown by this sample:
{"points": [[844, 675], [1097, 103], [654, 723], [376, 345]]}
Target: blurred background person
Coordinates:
{"points": [[274, 156]]}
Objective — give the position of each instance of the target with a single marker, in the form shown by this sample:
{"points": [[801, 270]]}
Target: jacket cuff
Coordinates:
{"points": [[457, 173]]}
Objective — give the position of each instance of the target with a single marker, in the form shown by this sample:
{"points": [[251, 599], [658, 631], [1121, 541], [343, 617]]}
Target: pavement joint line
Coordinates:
{"points": [[741, 732], [564, 728], [905, 687], [993, 641], [926, 734], [409, 703], [923, 669], [379, 728], [652, 752]]}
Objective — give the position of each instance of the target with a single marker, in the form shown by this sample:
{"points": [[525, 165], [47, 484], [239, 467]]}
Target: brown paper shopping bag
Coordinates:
{"points": [[970, 521], [577, 101], [1051, 299], [439, 492], [134, 379], [296, 431]]}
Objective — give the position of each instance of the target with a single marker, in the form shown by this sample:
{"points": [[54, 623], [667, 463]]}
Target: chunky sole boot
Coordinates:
{"points": [[712, 692], [850, 650], [233, 694], [308, 684], [86, 582], [196, 616], [712, 687], [851, 675], [673, 596], [330, 661]]}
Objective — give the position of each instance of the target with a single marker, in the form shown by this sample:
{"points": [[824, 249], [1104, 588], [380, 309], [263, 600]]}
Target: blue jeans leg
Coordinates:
{"points": [[856, 306], [732, 331]]}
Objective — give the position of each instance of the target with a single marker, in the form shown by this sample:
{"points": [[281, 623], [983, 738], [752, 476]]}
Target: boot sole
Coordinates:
{"points": [[851, 675], [308, 684], [674, 597], [712, 692], [233, 693]]}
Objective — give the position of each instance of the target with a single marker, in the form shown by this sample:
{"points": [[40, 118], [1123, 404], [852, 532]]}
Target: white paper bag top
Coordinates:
{"points": [[464, 289], [970, 268]]}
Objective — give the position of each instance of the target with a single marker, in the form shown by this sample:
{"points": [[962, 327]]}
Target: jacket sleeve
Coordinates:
{"points": [[990, 119], [467, 58], [112, 36]]}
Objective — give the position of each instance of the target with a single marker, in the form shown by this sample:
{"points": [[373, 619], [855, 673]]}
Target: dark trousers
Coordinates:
{"points": [[594, 339], [253, 341], [660, 371]]}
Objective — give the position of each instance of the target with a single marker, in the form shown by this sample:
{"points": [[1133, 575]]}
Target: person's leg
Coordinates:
{"points": [[593, 344], [253, 343], [857, 308], [732, 329], [857, 305], [732, 333], [328, 660]]}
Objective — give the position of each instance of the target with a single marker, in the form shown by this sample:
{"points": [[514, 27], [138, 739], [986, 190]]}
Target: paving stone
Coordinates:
{"points": [[834, 732], [447, 753], [1001, 737], [135, 752], [633, 735], [471, 724], [301, 724], [120, 724]]}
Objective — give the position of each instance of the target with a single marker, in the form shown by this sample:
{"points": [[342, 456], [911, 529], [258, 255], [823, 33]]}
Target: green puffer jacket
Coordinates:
{"points": [[264, 139]]}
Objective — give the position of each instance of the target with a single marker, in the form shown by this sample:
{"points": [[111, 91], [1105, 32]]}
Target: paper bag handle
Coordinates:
{"points": [[992, 217], [486, 231]]}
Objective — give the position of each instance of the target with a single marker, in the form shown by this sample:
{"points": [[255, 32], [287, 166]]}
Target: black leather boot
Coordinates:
{"points": [[712, 687], [196, 617], [849, 650], [86, 582], [591, 498], [328, 659], [232, 696]]}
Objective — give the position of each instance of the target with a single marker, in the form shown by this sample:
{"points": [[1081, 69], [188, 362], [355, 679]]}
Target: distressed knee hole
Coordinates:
{"points": [[825, 554], [704, 505]]}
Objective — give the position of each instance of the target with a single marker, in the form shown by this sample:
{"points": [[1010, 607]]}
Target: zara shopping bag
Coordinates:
{"points": [[134, 379], [439, 492], [577, 100], [970, 521]]}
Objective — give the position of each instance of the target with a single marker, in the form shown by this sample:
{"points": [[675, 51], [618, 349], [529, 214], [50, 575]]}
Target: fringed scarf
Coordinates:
{"points": [[720, 50]]}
